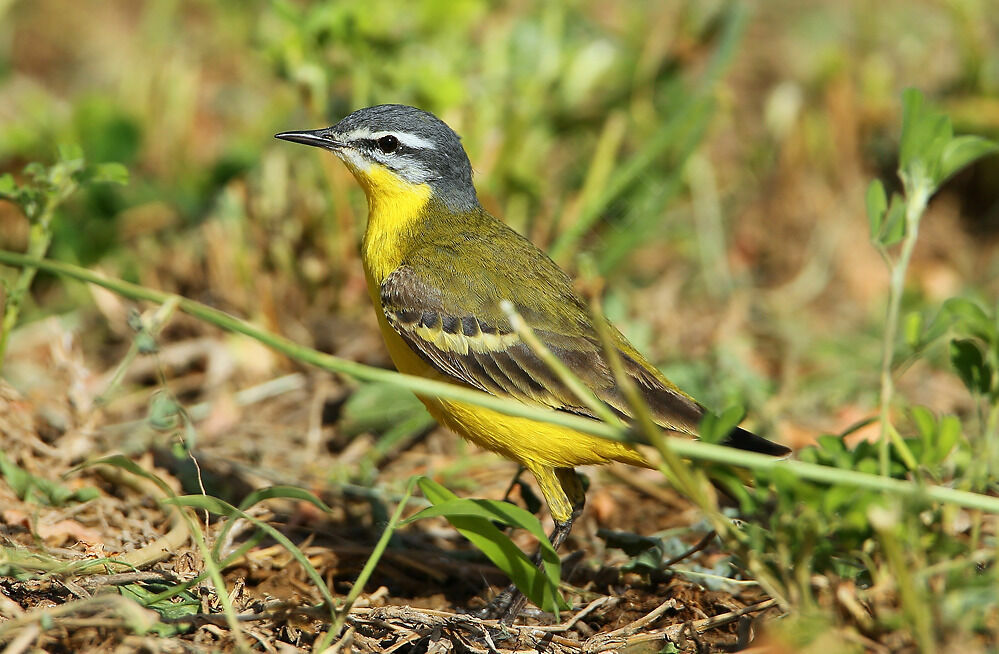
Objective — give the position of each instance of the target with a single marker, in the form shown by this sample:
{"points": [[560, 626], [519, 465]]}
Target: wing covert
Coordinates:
{"points": [[473, 342], [482, 352]]}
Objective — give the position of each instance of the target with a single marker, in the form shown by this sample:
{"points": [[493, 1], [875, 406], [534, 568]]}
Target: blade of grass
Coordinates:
{"points": [[367, 570], [139, 619], [689, 104], [694, 485], [644, 218], [427, 387], [221, 507], [238, 554], [262, 494], [624, 177]]}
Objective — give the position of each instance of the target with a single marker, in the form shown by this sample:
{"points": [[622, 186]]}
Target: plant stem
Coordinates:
{"points": [[369, 565], [916, 198], [39, 239], [991, 431], [683, 447]]}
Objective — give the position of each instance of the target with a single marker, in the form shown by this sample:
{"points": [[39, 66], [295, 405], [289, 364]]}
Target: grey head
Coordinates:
{"points": [[412, 143]]}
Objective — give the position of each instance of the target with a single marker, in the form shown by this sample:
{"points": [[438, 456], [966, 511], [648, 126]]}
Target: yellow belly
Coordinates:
{"points": [[526, 441]]}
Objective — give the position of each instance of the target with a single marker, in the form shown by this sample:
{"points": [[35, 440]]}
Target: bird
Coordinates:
{"points": [[439, 267]]}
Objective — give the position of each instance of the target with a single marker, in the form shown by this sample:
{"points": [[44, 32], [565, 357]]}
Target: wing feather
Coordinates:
{"points": [[487, 354], [464, 334]]}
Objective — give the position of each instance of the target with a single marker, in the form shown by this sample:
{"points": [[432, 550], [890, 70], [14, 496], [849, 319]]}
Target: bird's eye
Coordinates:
{"points": [[388, 144]]}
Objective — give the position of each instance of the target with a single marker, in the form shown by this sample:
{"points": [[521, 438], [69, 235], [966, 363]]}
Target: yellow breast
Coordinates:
{"points": [[395, 208]]}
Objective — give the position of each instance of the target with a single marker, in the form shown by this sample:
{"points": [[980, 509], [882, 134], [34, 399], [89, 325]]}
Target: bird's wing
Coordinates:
{"points": [[458, 327], [444, 301]]}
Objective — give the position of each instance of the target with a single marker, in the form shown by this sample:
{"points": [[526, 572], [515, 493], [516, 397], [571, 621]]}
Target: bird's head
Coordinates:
{"points": [[394, 148]]}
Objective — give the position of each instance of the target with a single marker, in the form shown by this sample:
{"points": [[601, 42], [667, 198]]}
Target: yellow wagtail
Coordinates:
{"points": [[438, 266]]}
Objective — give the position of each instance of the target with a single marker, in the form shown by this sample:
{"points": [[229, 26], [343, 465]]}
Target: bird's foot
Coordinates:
{"points": [[505, 607]]}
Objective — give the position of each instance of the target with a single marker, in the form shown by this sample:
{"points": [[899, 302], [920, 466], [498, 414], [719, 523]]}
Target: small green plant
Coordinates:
{"points": [[907, 547], [33, 488], [365, 411], [475, 518], [39, 195], [929, 154]]}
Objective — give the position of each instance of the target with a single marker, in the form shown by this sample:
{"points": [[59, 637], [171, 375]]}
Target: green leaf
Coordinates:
{"points": [[70, 152], [967, 359], [36, 171], [111, 172], [377, 408], [145, 343], [17, 477], [491, 510], [8, 187], [473, 519], [912, 114], [893, 229], [877, 204], [969, 318], [836, 498], [715, 427], [913, 328], [832, 444], [506, 513], [834, 451], [962, 151], [938, 327], [283, 492], [926, 425], [924, 420], [925, 134], [929, 152], [32, 488], [188, 606], [948, 433], [164, 412]]}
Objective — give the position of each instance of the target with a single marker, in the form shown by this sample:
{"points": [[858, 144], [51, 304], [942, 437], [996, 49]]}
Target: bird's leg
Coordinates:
{"points": [[572, 486], [511, 601]]}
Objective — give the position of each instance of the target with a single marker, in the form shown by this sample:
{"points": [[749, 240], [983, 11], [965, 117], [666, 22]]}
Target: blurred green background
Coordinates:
{"points": [[710, 157]]}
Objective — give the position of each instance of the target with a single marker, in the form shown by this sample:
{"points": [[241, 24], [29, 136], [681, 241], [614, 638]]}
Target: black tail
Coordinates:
{"points": [[747, 440]]}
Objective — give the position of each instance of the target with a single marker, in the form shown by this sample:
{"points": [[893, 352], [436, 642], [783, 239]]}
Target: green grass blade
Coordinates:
{"points": [[474, 520], [430, 388], [271, 492], [221, 507], [368, 569]]}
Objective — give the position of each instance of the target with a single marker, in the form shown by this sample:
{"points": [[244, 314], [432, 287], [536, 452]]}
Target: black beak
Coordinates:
{"points": [[317, 137]]}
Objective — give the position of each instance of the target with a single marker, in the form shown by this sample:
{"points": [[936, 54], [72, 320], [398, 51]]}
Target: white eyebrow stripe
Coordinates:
{"points": [[409, 140]]}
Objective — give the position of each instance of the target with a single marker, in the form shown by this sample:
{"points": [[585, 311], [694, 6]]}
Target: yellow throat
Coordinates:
{"points": [[394, 205]]}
